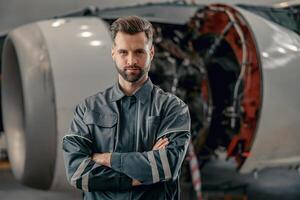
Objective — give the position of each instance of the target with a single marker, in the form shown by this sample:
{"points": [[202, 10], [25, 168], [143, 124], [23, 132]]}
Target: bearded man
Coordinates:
{"points": [[129, 141]]}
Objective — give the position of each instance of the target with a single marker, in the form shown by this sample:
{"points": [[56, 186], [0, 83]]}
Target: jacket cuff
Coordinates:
{"points": [[116, 162], [125, 183]]}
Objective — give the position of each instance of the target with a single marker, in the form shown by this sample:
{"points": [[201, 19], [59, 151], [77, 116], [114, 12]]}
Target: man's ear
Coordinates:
{"points": [[152, 52], [113, 52]]}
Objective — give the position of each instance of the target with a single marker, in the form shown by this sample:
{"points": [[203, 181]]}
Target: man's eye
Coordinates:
{"points": [[140, 52]]}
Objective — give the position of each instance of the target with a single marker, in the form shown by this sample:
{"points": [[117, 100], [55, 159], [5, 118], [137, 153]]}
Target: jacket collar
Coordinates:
{"points": [[142, 94]]}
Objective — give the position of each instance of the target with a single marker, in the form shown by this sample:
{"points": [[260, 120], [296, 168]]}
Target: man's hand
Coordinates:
{"points": [[136, 183], [102, 159], [161, 144]]}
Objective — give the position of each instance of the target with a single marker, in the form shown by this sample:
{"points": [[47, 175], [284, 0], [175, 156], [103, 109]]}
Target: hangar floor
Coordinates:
{"points": [[220, 179], [10, 189], [220, 182]]}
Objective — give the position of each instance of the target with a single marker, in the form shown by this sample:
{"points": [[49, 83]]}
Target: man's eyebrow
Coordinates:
{"points": [[121, 50], [140, 49]]}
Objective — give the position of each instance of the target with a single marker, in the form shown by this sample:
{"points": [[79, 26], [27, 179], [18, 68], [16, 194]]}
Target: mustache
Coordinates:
{"points": [[132, 67]]}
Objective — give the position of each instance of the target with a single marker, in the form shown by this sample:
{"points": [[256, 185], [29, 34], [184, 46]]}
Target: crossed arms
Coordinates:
{"points": [[92, 171], [105, 158]]}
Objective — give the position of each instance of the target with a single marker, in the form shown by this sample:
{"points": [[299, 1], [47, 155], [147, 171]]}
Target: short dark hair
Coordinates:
{"points": [[132, 25]]}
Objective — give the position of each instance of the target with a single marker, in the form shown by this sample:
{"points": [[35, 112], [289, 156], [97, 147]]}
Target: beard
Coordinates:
{"points": [[132, 77]]}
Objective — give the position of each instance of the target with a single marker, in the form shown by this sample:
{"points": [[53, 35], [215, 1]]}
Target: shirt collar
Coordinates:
{"points": [[143, 93]]}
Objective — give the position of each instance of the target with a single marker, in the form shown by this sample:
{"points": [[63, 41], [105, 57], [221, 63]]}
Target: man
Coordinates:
{"points": [[129, 141]]}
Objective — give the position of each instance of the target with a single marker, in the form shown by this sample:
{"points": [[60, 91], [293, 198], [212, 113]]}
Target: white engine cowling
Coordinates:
{"points": [[49, 67]]}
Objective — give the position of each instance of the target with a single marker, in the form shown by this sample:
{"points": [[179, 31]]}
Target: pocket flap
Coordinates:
{"points": [[104, 120]]}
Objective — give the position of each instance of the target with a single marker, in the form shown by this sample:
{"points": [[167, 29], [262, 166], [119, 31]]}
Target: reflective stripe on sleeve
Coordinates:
{"points": [[79, 171], [153, 165], [85, 179], [165, 163], [74, 135]]}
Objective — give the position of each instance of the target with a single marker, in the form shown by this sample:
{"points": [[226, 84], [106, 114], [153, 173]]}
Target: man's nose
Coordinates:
{"points": [[131, 60]]}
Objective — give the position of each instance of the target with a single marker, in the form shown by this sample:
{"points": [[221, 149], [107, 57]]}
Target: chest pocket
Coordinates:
{"points": [[106, 120], [102, 128]]}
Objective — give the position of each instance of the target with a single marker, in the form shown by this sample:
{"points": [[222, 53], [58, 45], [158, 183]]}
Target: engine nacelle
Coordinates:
{"points": [[49, 67]]}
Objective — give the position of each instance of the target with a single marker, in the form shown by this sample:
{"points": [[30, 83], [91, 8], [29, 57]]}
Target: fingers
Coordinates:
{"points": [[157, 144], [136, 182], [164, 143], [161, 144]]}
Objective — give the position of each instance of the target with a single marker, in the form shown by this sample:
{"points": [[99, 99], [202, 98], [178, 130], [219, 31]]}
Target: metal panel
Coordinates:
{"points": [[277, 138], [79, 50], [48, 68]]}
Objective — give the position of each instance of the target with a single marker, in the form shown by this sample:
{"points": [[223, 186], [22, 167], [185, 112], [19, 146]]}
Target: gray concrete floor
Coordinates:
{"points": [[10, 189], [219, 178]]}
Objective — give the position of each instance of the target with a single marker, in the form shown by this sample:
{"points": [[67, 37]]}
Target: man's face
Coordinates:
{"points": [[132, 55]]}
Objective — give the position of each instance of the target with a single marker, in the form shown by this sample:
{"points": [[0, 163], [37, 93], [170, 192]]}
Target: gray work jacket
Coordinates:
{"points": [[95, 129]]}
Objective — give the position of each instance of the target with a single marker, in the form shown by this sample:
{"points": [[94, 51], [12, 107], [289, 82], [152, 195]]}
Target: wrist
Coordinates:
{"points": [[107, 159], [102, 159]]}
